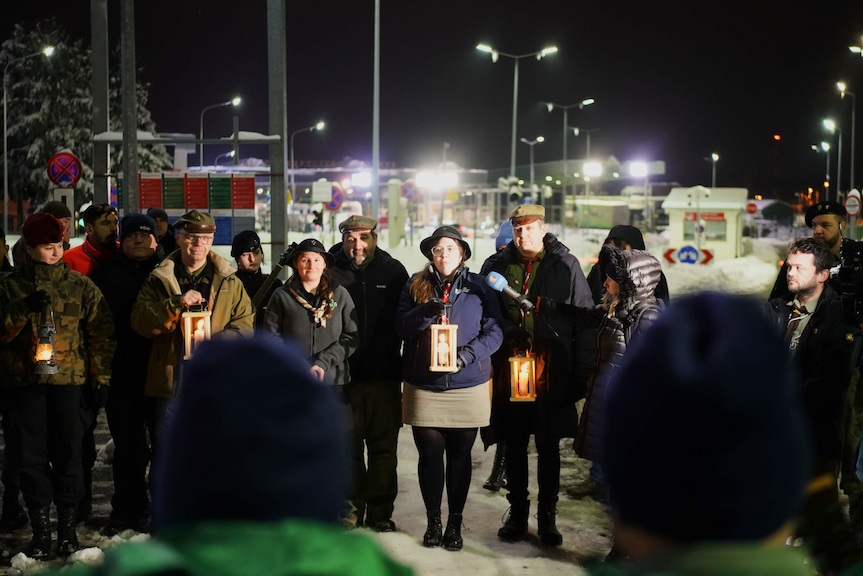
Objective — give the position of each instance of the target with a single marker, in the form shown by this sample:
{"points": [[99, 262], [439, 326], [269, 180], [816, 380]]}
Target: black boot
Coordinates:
{"points": [[546, 528], [40, 545], [433, 534], [13, 516], [516, 523], [452, 539], [67, 537], [497, 478]]}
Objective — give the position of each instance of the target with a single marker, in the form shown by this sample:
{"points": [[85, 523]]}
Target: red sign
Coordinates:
{"points": [[197, 192], [242, 192], [852, 205], [150, 190], [706, 216], [751, 208], [688, 255], [64, 169]]}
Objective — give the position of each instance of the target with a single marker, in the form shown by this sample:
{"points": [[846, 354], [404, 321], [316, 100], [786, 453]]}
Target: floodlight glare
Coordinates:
{"points": [[236, 101], [638, 169]]}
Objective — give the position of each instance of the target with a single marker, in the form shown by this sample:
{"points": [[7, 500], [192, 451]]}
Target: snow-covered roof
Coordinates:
{"points": [[242, 136], [706, 198]]}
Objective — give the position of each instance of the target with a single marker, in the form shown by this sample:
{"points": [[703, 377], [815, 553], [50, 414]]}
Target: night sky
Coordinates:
{"points": [[672, 80]]}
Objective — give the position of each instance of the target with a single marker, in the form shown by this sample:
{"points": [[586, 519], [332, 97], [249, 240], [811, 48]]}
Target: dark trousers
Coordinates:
{"points": [[433, 444], [376, 413], [51, 436], [548, 468], [89, 414], [9, 398], [127, 423]]}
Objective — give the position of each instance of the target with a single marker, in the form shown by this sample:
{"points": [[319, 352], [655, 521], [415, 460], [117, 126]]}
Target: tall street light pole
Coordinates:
{"points": [[532, 143], [551, 106], [825, 147], [576, 132], [495, 55], [319, 126], [714, 158], [843, 91], [235, 102], [832, 127], [47, 52]]}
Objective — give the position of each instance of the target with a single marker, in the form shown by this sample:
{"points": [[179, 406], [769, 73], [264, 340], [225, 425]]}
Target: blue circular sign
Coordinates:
{"points": [[410, 191], [337, 198], [688, 255]]}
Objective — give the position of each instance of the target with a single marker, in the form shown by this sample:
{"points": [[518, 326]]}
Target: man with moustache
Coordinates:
{"points": [[100, 244], [374, 280]]}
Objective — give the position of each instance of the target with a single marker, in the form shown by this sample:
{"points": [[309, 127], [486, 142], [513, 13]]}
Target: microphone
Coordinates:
{"points": [[498, 283]]}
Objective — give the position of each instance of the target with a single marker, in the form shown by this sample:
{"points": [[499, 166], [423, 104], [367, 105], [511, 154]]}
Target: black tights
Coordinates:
{"points": [[432, 444]]}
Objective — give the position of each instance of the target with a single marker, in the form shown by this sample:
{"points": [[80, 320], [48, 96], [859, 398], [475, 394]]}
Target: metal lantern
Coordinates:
{"points": [[196, 330], [46, 350], [522, 376], [444, 339]]}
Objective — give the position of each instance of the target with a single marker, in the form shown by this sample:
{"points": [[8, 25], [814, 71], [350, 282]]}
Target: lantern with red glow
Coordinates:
{"points": [[444, 338], [522, 376], [196, 330]]}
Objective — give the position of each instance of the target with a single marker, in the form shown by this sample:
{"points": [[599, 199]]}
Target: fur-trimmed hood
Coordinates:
{"points": [[639, 273]]}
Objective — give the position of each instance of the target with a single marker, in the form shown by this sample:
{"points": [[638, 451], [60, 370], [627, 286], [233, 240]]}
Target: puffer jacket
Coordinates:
{"points": [[157, 314], [476, 313], [84, 337]]}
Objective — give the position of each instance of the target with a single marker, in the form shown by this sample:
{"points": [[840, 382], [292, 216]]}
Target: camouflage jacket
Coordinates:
{"points": [[157, 314], [84, 337]]}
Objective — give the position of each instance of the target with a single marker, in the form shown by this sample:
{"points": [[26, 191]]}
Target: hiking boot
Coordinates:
{"points": [[546, 527], [452, 539], [515, 526], [67, 536], [434, 532], [40, 545], [497, 479]]}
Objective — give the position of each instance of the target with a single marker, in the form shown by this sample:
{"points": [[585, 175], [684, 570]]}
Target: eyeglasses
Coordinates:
{"points": [[448, 250], [196, 238]]}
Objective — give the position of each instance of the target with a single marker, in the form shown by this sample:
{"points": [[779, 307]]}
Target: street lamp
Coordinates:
{"points": [[225, 155], [532, 143], [640, 169], [825, 147], [714, 158], [495, 55], [843, 91], [832, 127], [550, 106], [235, 102], [47, 51], [319, 126]]}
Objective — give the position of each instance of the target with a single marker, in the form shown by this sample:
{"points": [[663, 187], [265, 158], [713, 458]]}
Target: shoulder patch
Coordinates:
{"points": [[849, 337]]}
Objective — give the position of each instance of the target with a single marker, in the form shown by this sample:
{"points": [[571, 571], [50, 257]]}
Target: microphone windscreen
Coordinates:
{"points": [[496, 281]]}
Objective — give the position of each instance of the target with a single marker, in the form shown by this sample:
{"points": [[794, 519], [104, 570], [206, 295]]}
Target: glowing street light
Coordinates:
{"points": [[832, 127], [319, 126], [843, 91], [714, 158], [47, 51], [495, 55], [825, 147], [532, 143], [233, 102]]}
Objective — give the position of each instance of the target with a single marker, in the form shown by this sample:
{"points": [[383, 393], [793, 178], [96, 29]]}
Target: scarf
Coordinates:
{"points": [[320, 313]]}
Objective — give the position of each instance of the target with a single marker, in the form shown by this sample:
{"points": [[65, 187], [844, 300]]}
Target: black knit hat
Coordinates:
{"points": [[629, 234], [444, 232], [703, 430], [286, 443], [136, 222], [245, 241], [56, 209]]}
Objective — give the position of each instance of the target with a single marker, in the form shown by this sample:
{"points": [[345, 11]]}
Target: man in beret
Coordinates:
{"points": [[192, 276], [247, 253], [100, 244], [535, 263], [120, 280], [374, 280]]}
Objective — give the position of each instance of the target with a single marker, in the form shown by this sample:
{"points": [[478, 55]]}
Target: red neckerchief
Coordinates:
{"points": [[528, 266], [446, 288]]}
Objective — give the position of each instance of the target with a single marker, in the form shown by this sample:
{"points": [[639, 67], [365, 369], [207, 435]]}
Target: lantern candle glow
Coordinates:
{"points": [[444, 339], [523, 378], [196, 330]]}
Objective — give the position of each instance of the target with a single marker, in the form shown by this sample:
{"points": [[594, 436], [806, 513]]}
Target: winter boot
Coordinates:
{"points": [[40, 545], [67, 537], [546, 528], [515, 525], [452, 539], [433, 534], [497, 478], [13, 516]]}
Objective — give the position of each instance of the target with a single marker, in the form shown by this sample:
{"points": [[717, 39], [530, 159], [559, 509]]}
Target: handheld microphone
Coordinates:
{"points": [[498, 283]]}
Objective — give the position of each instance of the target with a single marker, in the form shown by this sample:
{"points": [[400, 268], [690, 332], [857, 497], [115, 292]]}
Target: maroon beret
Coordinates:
{"points": [[42, 228]]}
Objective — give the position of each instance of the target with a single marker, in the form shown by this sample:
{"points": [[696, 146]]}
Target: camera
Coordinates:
{"points": [[850, 280]]}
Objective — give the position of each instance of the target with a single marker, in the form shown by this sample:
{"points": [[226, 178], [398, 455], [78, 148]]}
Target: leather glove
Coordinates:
{"points": [[37, 300], [434, 307], [527, 303]]}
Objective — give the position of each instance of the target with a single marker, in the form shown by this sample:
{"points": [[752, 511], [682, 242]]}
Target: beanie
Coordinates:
{"points": [[286, 444], [137, 222], [629, 234], [245, 241], [56, 209], [504, 235], [155, 213], [703, 429], [42, 228]]}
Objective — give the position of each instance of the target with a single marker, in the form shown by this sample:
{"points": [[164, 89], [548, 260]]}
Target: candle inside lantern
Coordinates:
{"points": [[44, 352], [522, 380], [199, 336]]}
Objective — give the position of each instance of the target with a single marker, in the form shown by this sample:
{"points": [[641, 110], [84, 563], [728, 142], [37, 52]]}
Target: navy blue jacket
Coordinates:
{"points": [[476, 312]]}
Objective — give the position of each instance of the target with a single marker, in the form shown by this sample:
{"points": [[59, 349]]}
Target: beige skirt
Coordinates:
{"points": [[456, 408]]}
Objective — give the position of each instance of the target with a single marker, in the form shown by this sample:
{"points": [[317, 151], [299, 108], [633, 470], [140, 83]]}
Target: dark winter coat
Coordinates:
{"points": [[326, 346], [252, 282], [120, 280], [84, 328], [475, 311], [825, 355], [553, 414], [375, 290]]}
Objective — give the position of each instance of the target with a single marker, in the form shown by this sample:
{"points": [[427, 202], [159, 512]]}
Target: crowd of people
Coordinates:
{"points": [[714, 424]]}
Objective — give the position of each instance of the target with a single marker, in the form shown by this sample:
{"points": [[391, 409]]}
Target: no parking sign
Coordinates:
{"points": [[64, 169], [337, 198]]}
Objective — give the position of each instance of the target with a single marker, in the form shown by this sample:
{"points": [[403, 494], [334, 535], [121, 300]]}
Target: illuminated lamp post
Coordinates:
{"points": [[235, 102]]}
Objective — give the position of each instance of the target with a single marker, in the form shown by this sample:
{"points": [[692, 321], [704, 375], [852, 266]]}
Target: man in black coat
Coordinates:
{"points": [[374, 280], [119, 280], [246, 250], [535, 263]]}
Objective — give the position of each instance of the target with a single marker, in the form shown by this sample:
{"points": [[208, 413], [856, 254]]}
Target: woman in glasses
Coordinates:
{"points": [[447, 406]]}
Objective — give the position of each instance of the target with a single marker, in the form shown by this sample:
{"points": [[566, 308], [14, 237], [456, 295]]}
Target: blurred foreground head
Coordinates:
{"points": [[704, 432], [253, 437]]}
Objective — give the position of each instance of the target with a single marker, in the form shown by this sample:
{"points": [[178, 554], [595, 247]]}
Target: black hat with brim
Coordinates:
{"points": [[444, 232], [311, 245], [826, 207]]}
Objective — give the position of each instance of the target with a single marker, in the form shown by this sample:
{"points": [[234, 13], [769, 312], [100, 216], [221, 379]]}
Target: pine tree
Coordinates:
{"points": [[50, 109]]}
